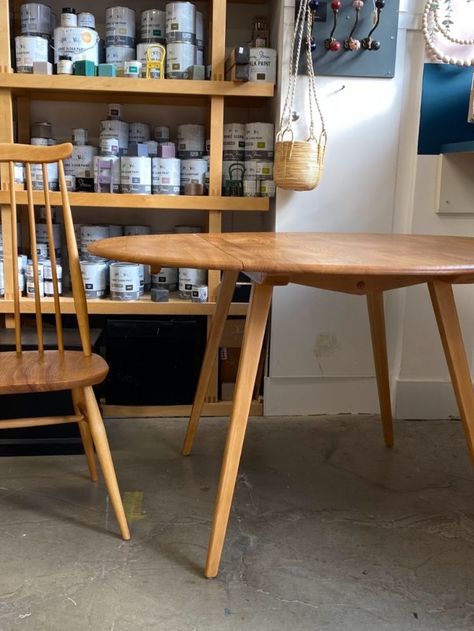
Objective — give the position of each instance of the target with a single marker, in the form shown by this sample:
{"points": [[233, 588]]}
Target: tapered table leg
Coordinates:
{"points": [[379, 347], [251, 348], [219, 318], [444, 307]]}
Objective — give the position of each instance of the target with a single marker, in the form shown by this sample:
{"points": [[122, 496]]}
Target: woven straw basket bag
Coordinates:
{"points": [[299, 163]]}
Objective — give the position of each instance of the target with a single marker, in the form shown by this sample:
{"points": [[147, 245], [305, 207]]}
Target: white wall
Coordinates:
{"points": [[320, 354]]}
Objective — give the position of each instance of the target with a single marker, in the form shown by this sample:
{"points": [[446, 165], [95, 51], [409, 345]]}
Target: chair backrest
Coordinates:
{"points": [[11, 155]]}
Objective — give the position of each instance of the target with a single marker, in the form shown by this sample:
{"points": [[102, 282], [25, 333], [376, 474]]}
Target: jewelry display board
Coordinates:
{"points": [[361, 62]]}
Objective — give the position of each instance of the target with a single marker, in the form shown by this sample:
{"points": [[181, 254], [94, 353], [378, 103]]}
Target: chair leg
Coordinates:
{"points": [[379, 348], [444, 308], [105, 458], [251, 347], [87, 443], [224, 299]]}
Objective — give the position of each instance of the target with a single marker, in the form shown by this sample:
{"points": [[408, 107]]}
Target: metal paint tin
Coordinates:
{"points": [[179, 57], [136, 230], [107, 174], [153, 26], [135, 175], [118, 55], [19, 170], [193, 172], [76, 42], [86, 20], [81, 165], [94, 277], [152, 148], [262, 65], [109, 146], [120, 26], [35, 18], [142, 55], [48, 278], [115, 129], [234, 141], [114, 111], [68, 17], [260, 169], [167, 278], [124, 281], [70, 182], [199, 293], [39, 142], [89, 234], [190, 140], [189, 278], [259, 141], [250, 187], [161, 133], [41, 129], [180, 22], [199, 29], [267, 188], [80, 136], [28, 49], [166, 176], [132, 69], [30, 281], [167, 150], [37, 176], [139, 132], [41, 231]]}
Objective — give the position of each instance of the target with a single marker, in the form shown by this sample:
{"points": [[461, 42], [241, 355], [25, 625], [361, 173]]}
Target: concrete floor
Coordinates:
{"points": [[329, 530]]}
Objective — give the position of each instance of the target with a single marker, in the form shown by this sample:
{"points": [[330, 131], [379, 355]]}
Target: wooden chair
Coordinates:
{"points": [[52, 370]]}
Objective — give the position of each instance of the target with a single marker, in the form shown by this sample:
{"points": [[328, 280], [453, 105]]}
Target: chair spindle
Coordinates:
{"points": [[34, 257], [14, 257]]}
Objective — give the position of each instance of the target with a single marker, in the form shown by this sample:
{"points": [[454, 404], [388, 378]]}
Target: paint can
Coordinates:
{"points": [[89, 234], [30, 279], [28, 49], [40, 142], [200, 56], [120, 26], [80, 136], [118, 55], [41, 231], [136, 230], [262, 65], [70, 183], [267, 188], [81, 165], [193, 172], [109, 147], [114, 111], [48, 278], [161, 133], [107, 174], [139, 132], [37, 176], [167, 278], [42, 129], [234, 141], [259, 141], [115, 231], [19, 171], [179, 57], [42, 251], [250, 187], [68, 17], [189, 278], [86, 20], [153, 26], [199, 293], [166, 176], [115, 129], [135, 175], [199, 30], [180, 22], [167, 150], [259, 169], [94, 277], [132, 69], [124, 281], [152, 146], [35, 18], [76, 42], [142, 55], [190, 140]]}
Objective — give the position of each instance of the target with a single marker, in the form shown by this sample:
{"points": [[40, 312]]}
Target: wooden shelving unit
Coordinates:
{"points": [[17, 91]]}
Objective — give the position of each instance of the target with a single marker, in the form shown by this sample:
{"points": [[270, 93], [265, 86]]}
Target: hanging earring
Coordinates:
{"points": [[350, 43], [368, 43], [331, 42]]}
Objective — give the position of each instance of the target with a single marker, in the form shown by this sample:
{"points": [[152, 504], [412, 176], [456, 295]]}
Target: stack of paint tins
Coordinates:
{"points": [[233, 155], [95, 270], [119, 37], [189, 279], [259, 148], [41, 135], [190, 146], [115, 127], [76, 38], [166, 173], [180, 39], [43, 253], [37, 25], [152, 32], [80, 164], [107, 167]]}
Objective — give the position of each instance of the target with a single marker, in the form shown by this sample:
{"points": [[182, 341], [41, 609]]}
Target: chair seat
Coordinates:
{"points": [[50, 371]]}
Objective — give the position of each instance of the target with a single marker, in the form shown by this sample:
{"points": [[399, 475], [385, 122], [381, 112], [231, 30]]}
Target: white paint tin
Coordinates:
{"points": [[40, 142], [37, 177], [188, 278], [86, 20], [267, 188], [30, 280], [259, 141], [115, 129], [94, 277], [118, 55], [152, 148], [132, 69], [19, 170], [80, 136], [139, 132], [135, 175], [199, 29], [119, 26], [250, 187], [48, 278], [109, 146], [30, 48], [68, 18], [76, 42], [167, 278], [114, 111], [193, 172], [41, 231], [179, 57], [260, 169], [142, 55], [161, 134], [153, 26], [166, 176], [42, 251], [136, 230], [89, 234], [236, 171], [65, 66], [35, 18], [234, 141], [181, 22], [199, 293], [81, 165], [262, 65], [124, 281], [70, 182], [107, 174], [190, 140], [115, 231]]}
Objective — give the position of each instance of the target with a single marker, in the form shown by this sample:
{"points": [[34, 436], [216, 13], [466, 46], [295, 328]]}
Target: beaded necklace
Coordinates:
{"points": [[431, 8]]}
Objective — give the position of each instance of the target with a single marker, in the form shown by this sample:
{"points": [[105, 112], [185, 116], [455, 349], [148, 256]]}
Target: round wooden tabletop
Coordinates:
{"points": [[299, 253]]}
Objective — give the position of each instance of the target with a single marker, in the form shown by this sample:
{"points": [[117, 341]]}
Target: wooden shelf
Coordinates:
{"points": [[151, 202], [106, 306], [64, 87]]}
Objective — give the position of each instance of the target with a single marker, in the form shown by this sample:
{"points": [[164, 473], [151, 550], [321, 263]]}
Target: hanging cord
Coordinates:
{"points": [[312, 83]]}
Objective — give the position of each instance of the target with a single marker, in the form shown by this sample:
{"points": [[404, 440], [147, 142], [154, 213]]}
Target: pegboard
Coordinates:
{"points": [[361, 63]]}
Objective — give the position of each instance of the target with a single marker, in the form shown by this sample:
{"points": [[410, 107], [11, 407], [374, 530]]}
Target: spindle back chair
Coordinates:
{"points": [[24, 371]]}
